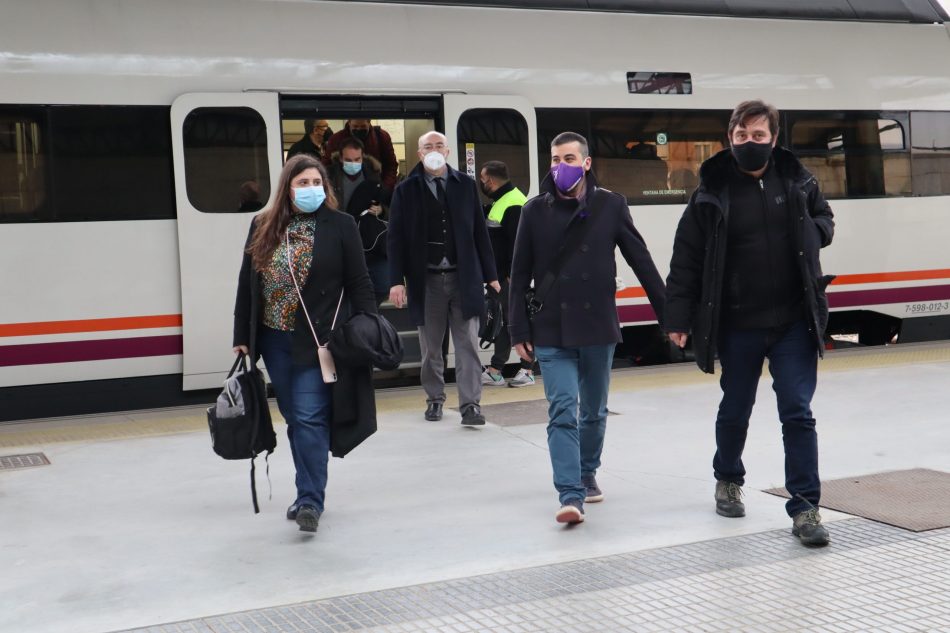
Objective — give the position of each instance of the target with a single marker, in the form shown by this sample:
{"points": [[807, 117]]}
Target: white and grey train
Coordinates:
{"points": [[127, 128]]}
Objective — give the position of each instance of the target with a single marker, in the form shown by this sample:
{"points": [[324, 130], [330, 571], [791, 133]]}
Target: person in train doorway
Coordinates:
{"points": [[440, 257], [355, 177], [566, 243], [502, 217], [316, 133], [376, 143], [302, 247], [745, 280]]}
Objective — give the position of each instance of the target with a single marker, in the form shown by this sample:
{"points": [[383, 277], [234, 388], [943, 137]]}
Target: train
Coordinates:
{"points": [[128, 127]]}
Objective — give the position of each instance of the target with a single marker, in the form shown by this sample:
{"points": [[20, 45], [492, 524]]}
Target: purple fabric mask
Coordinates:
{"points": [[566, 177]]}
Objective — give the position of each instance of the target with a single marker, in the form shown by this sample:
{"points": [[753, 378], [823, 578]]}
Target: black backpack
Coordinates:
{"points": [[240, 422], [492, 320]]}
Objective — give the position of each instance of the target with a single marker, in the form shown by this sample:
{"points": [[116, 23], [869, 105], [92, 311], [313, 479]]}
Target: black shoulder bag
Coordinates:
{"points": [[577, 230]]}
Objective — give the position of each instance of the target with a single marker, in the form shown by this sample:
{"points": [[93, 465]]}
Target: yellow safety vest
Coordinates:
{"points": [[513, 198]]}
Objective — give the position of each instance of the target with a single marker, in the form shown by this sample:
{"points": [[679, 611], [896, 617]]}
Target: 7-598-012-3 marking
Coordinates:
{"points": [[933, 306]]}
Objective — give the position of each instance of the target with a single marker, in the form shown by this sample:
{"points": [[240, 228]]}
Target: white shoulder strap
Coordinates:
{"points": [[300, 295]]}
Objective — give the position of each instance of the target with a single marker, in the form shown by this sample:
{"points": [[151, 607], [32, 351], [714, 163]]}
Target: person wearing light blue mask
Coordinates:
{"points": [[357, 181], [301, 255]]}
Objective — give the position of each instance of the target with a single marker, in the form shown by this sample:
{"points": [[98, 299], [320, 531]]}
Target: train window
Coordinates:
{"points": [[23, 163], [486, 134], [111, 162], [80, 163], [853, 154], [226, 167], [930, 148]]}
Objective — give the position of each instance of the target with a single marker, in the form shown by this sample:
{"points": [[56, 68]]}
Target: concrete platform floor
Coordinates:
{"points": [[136, 522]]}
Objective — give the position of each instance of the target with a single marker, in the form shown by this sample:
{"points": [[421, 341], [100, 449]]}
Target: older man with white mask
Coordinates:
{"points": [[440, 258]]}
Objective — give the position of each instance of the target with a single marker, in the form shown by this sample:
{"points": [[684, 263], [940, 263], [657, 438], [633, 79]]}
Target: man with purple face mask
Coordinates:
{"points": [[746, 280], [575, 329]]}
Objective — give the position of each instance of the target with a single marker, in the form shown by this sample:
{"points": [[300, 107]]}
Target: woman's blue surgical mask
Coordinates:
{"points": [[309, 199], [351, 169]]}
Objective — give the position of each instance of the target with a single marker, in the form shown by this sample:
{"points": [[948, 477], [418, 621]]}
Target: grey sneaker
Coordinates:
{"points": [[594, 493], [571, 512], [308, 518], [809, 530], [728, 495], [492, 378], [524, 378]]}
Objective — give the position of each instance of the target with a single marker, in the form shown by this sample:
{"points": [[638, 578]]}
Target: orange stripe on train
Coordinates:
{"points": [[90, 325]]}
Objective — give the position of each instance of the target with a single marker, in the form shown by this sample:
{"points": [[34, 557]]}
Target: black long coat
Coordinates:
{"points": [[337, 265], [694, 285], [407, 241], [581, 308]]}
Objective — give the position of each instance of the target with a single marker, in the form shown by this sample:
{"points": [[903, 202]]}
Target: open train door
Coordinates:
{"points": [[480, 128], [227, 158]]}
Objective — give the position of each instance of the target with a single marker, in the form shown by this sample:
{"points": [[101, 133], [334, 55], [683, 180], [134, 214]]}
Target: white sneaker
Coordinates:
{"points": [[492, 379], [524, 378]]}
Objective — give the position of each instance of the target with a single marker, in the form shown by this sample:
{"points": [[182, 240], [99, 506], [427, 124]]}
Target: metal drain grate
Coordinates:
{"points": [[9, 462], [915, 500]]}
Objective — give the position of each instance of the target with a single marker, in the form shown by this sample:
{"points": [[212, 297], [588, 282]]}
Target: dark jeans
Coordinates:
{"points": [[379, 275], [305, 401], [503, 341], [793, 363]]}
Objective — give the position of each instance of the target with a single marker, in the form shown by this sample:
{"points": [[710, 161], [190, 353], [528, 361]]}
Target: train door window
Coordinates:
{"points": [[853, 154], [226, 166], [112, 162], [930, 149], [486, 134], [23, 164]]}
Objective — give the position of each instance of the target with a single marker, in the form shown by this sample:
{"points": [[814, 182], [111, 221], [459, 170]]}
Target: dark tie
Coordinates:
{"points": [[440, 193]]}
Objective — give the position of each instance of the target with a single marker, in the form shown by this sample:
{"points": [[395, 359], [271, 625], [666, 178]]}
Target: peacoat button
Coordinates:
{"points": [[323, 292], [564, 306], [800, 253], [584, 248], [585, 276], [587, 306]]}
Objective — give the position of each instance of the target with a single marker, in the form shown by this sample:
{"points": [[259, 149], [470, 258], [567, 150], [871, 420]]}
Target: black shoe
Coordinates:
{"points": [[728, 503], [809, 530], [594, 493], [472, 416], [571, 512], [292, 511], [434, 412], [307, 518]]}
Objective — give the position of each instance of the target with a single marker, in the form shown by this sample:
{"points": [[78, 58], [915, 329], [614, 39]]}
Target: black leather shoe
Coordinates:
{"points": [[472, 416], [292, 512], [434, 412], [308, 518]]}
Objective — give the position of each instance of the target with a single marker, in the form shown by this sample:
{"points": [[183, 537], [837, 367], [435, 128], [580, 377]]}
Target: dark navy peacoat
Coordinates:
{"points": [[407, 241], [581, 308]]}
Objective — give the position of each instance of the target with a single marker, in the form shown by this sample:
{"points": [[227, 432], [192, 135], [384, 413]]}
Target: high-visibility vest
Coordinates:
{"points": [[513, 198]]}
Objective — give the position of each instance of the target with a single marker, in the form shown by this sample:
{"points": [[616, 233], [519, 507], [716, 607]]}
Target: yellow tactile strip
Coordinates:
{"points": [[128, 425]]}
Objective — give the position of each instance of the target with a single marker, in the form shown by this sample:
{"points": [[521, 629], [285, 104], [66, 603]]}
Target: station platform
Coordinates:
{"points": [[430, 526]]}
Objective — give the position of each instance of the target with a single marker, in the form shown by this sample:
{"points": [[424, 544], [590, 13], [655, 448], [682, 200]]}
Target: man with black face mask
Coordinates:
{"points": [[376, 143], [746, 280]]}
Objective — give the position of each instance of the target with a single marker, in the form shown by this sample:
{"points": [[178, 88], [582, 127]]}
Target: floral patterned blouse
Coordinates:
{"points": [[280, 295]]}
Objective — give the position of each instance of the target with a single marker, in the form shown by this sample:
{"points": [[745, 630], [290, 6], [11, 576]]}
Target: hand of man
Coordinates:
{"points": [[494, 285], [375, 209], [679, 339], [241, 348], [397, 295], [525, 351]]}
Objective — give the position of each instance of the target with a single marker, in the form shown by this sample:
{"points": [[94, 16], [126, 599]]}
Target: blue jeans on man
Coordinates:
{"points": [[305, 401], [793, 364], [575, 429]]}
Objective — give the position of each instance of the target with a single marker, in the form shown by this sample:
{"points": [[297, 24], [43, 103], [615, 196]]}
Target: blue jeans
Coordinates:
{"points": [[575, 441], [305, 401], [793, 363]]}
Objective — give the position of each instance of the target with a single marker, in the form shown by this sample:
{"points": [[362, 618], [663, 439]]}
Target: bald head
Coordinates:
{"points": [[431, 138]]}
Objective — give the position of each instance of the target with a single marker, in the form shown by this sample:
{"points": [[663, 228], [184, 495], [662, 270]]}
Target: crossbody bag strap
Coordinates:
{"points": [[576, 233], [300, 295]]}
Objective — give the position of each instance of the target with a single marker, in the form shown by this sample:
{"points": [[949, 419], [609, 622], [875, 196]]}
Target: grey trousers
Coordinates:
{"points": [[444, 305]]}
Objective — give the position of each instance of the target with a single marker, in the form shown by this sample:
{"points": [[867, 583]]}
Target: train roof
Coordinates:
{"points": [[912, 11]]}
